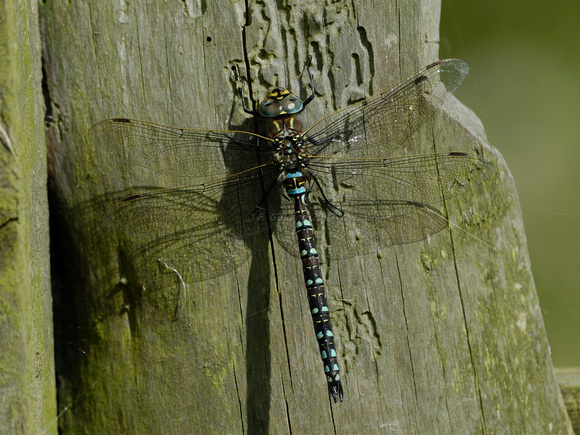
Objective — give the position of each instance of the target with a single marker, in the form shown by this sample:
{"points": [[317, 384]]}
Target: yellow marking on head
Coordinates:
{"points": [[278, 93]]}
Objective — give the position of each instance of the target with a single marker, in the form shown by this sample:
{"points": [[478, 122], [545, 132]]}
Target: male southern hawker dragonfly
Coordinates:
{"points": [[350, 171]]}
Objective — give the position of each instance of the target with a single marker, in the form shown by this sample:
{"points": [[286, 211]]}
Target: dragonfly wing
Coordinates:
{"points": [[354, 232], [194, 155], [390, 118], [426, 179], [181, 223], [200, 210], [393, 199], [400, 223]]}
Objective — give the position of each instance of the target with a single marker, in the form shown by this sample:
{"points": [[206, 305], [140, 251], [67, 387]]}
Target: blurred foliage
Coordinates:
{"points": [[524, 84]]}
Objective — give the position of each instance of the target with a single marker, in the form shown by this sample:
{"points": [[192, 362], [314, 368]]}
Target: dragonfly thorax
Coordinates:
{"points": [[290, 153]]}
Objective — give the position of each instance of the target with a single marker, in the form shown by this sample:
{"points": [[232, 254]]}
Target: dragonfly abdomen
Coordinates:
{"points": [[294, 184]]}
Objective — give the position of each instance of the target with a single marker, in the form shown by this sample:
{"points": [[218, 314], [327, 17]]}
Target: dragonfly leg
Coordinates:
{"points": [[311, 96], [326, 200]]}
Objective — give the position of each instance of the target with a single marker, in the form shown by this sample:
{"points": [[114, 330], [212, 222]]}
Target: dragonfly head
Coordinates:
{"points": [[280, 101]]}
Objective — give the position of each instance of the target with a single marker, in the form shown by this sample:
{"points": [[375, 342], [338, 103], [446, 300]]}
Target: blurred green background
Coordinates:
{"points": [[524, 84]]}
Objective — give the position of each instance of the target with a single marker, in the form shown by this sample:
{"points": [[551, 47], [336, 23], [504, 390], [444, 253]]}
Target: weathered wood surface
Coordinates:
{"points": [[27, 389], [440, 336], [569, 381]]}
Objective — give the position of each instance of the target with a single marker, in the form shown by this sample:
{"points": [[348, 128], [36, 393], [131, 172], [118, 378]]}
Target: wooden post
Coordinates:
{"points": [[569, 381], [443, 335], [27, 389]]}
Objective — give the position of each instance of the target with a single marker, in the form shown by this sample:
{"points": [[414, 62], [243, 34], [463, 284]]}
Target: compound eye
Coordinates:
{"points": [[292, 105], [268, 109]]}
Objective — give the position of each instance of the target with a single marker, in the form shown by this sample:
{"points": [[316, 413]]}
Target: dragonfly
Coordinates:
{"points": [[352, 171]]}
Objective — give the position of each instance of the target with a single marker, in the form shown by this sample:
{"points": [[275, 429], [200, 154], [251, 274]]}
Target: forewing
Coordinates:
{"points": [[390, 118], [194, 155]]}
